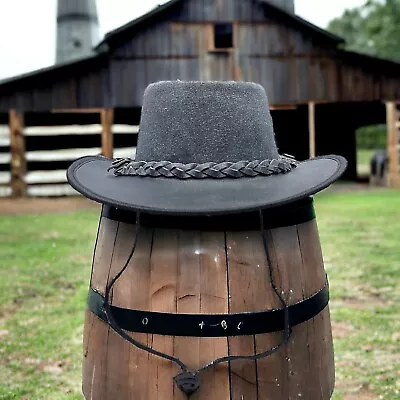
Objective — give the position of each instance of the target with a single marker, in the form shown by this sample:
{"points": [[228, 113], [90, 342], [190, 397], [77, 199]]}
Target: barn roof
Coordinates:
{"points": [[368, 60], [147, 19], [161, 10], [70, 66], [97, 81]]}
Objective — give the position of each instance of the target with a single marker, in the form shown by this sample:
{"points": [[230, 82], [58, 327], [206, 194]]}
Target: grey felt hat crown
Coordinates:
{"points": [[203, 148], [199, 122]]}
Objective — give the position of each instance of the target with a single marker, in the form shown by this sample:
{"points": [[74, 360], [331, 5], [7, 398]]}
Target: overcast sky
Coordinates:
{"points": [[28, 27]]}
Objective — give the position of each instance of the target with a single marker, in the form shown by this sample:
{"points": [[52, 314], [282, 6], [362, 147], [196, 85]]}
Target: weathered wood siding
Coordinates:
{"points": [[84, 84], [292, 65]]}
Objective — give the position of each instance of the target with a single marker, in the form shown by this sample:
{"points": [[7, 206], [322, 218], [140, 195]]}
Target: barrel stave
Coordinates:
{"points": [[180, 271]]}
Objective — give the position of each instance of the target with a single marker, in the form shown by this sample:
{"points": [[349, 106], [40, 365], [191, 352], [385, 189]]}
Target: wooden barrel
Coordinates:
{"points": [[222, 267]]}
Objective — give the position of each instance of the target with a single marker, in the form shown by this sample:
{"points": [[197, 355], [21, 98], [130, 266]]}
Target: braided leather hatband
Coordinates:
{"points": [[239, 169]]}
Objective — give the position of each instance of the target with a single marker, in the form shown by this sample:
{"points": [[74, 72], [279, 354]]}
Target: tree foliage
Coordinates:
{"points": [[371, 137], [373, 28]]}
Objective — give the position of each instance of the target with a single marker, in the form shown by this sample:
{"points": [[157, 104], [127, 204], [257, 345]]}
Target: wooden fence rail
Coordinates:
{"points": [[18, 178], [392, 118], [42, 172], [17, 149]]}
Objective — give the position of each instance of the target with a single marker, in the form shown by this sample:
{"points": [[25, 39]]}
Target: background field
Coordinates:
{"points": [[45, 268], [363, 163]]}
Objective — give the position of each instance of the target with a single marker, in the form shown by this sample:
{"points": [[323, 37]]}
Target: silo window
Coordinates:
{"points": [[223, 36]]}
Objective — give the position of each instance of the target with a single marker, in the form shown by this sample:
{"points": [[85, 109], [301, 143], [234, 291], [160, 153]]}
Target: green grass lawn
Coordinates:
{"points": [[45, 268]]}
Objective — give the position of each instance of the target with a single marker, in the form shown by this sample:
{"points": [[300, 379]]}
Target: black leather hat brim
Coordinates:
{"points": [[89, 176]]}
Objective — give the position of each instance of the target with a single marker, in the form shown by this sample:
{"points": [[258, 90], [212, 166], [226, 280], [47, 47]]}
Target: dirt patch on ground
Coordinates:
{"points": [[341, 330], [10, 206], [363, 395], [354, 391], [363, 303]]}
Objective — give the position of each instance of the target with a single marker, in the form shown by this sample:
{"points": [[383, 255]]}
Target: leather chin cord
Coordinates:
{"points": [[188, 380]]}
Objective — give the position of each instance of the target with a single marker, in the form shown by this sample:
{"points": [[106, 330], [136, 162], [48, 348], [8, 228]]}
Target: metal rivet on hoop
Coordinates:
{"points": [[145, 321]]}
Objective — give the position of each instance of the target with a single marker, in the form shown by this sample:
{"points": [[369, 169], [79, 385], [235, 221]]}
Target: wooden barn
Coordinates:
{"points": [[319, 93]]}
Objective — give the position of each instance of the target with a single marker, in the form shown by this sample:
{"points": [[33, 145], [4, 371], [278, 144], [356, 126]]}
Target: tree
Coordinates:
{"points": [[373, 28]]}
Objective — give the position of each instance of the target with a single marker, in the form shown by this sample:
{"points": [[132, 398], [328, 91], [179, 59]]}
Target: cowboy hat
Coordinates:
{"points": [[204, 148]]}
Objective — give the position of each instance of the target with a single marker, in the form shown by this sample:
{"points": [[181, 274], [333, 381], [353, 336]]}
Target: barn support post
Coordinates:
{"points": [[18, 155], [107, 120], [393, 177], [311, 127]]}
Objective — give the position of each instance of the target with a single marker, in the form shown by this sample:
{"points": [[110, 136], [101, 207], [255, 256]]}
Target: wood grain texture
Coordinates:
{"points": [[96, 332], [311, 128], [95, 363], [126, 365], [392, 118], [244, 274], [88, 364], [305, 367], [188, 299], [267, 368], [163, 289], [107, 235], [273, 379], [18, 157], [209, 272], [334, 75], [138, 281], [320, 333], [213, 300], [107, 119], [289, 258]]}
